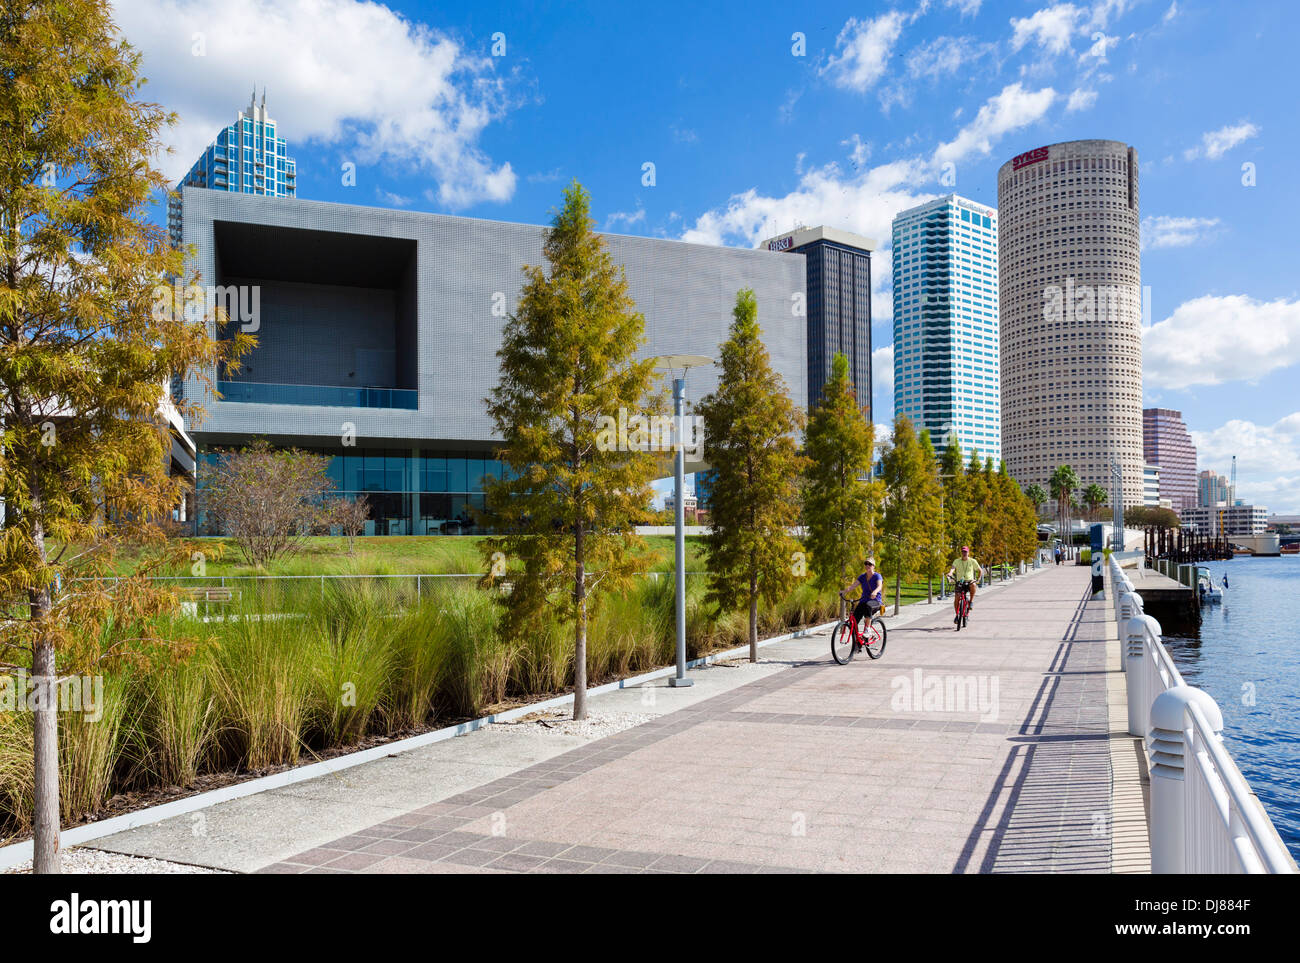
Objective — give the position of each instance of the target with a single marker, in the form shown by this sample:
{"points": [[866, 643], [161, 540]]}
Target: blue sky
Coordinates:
{"points": [[757, 116]]}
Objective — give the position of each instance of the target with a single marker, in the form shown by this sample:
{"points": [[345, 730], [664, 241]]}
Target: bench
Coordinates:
{"points": [[192, 596], [215, 594]]}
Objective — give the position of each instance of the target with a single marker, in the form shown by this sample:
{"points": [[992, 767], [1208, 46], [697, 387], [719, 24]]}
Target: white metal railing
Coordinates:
{"points": [[1204, 818], [1244, 840]]}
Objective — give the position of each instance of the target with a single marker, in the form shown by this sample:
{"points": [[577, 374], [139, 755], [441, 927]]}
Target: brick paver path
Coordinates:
{"points": [[979, 751]]}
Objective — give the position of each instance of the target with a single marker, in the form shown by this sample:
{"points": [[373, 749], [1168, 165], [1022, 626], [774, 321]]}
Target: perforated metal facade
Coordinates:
{"points": [[468, 275]]}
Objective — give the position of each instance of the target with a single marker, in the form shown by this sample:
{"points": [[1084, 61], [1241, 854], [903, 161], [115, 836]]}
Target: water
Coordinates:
{"points": [[1245, 657]]}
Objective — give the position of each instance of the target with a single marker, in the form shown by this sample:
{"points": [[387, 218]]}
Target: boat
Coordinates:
{"points": [[1206, 590]]}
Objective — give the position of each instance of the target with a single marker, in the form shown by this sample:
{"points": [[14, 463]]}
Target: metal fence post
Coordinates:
{"points": [[1168, 773], [1136, 664]]}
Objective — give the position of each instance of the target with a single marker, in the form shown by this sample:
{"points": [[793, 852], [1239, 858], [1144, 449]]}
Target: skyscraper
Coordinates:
{"points": [[838, 304], [946, 364], [1166, 442], [1071, 313], [247, 157], [1211, 489]]}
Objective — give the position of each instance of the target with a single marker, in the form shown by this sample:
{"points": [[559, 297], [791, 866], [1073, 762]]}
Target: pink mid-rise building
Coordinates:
{"points": [[1167, 443]]}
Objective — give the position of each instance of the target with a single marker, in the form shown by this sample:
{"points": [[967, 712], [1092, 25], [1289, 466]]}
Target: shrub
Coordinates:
{"points": [[179, 718], [352, 654], [474, 665], [262, 678], [91, 748]]}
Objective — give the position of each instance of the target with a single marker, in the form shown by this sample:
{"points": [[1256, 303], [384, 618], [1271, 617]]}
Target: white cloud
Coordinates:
{"points": [[859, 150], [967, 8], [1104, 10], [626, 218], [866, 202], [388, 197], [882, 381], [882, 369], [1171, 12], [1261, 450], [1100, 46], [1013, 108], [339, 72], [1051, 28], [1165, 231], [1081, 100], [1215, 339], [865, 48], [1279, 494], [943, 55], [1215, 143]]}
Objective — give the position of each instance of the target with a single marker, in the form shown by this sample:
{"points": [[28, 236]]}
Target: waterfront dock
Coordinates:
{"points": [[997, 749], [1165, 599]]}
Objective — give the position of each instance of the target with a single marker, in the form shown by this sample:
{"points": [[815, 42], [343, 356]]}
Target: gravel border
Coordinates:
{"points": [[81, 861]]}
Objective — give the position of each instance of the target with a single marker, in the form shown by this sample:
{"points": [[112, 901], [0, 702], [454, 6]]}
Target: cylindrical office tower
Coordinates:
{"points": [[1070, 280]]}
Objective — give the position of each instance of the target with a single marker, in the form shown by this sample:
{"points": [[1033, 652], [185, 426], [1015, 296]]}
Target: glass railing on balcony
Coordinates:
{"points": [[329, 396]]}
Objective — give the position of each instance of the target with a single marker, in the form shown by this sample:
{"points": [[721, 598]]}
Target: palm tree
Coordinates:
{"points": [[1094, 496], [1063, 483], [1037, 495]]}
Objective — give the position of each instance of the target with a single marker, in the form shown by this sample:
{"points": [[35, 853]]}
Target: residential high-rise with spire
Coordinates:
{"points": [[247, 158]]}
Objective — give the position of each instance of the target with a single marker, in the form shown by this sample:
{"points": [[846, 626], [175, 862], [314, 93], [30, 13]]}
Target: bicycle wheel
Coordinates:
{"points": [[842, 643], [875, 641]]}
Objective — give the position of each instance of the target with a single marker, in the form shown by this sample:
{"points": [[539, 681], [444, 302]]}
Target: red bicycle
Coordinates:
{"points": [[963, 603], [847, 638]]}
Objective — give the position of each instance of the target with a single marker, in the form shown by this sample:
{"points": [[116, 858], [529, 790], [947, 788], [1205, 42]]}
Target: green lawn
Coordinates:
{"points": [[382, 555], [429, 555]]}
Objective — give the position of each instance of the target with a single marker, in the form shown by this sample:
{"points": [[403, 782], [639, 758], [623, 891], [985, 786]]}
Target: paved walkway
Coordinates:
{"points": [[996, 749], [987, 750]]}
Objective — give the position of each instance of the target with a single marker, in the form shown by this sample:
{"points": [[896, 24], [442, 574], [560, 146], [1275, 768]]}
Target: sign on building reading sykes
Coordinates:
{"points": [[781, 243], [1028, 157]]}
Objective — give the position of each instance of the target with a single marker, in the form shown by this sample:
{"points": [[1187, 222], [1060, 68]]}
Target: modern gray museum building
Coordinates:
{"points": [[377, 333]]}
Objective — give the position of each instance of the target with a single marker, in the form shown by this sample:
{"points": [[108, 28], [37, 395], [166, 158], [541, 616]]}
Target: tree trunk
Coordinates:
{"points": [[929, 587], [579, 628], [45, 722], [843, 579], [753, 617], [898, 580], [45, 842]]}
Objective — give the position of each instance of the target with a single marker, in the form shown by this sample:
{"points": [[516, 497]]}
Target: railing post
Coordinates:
{"points": [[1135, 667], [1168, 774]]}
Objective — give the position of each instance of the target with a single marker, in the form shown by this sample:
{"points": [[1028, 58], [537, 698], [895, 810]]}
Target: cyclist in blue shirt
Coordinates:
{"points": [[872, 598]]}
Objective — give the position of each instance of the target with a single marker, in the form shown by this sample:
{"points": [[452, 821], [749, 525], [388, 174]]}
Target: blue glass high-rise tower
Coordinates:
{"points": [[946, 351], [247, 157]]}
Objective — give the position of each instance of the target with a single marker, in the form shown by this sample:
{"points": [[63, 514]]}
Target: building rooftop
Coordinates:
{"points": [[807, 235]]}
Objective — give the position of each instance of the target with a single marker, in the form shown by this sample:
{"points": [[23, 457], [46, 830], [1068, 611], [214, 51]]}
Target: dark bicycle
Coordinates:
{"points": [[848, 638], [962, 589]]}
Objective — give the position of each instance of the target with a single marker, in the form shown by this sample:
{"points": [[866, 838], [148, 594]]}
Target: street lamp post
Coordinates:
{"points": [[673, 363], [1117, 499]]}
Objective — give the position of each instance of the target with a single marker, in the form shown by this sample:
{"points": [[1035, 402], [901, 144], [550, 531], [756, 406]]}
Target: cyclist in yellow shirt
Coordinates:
{"points": [[965, 572]]}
